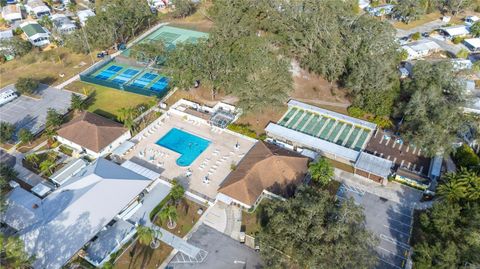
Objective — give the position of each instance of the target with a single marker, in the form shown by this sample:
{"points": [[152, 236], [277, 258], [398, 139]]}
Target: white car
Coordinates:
{"points": [[7, 96]]}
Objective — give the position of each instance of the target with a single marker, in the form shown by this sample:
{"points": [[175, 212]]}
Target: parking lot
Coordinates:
{"points": [[391, 222], [30, 113], [219, 251]]}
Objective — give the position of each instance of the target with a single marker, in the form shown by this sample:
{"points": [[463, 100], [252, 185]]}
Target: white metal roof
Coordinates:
{"points": [[69, 170], [41, 189], [332, 114], [20, 211], [457, 30], [109, 239], [473, 42], [142, 170], [312, 142], [424, 45], [436, 166], [124, 147], [84, 14], [74, 213], [373, 164]]}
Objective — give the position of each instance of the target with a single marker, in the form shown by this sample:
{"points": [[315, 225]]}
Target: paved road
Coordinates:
{"points": [[427, 27]]}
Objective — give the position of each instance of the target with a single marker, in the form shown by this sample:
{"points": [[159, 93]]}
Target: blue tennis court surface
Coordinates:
{"points": [[160, 85], [109, 72], [144, 80], [125, 76]]}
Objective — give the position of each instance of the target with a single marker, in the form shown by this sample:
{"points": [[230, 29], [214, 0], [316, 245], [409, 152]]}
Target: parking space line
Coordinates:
{"points": [[390, 227], [395, 242], [398, 212], [393, 253], [385, 261], [401, 222]]}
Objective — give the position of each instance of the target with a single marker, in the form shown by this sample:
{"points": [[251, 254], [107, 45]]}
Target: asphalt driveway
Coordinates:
{"points": [[391, 222]]}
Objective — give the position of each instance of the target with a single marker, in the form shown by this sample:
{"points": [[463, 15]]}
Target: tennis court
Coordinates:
{"points": [[171, 36], [326, 127], [125, 77], [124, 73]]}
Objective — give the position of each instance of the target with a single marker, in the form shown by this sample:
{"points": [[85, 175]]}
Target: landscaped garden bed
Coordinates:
{"points": [[65, 150], [187, 216], [41, 163]]}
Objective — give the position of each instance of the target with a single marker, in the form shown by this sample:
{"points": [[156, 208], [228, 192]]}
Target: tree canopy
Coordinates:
{"points": [[54, 119], [77, 103], [447, 235], [15, 45], [116, 21], [321, 171], [247, 67], [12, 253], [6, 131], [311, 230], [431, 107], [26, 85]]}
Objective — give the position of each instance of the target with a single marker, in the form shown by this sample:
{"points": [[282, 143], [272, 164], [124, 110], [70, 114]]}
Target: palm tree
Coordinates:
{"points": [[13, 254], [46, 165], [169, 213], [148, 236], [25, 136], [452, 187], [50, 133], [33, 159], [127, 116], [177, 191]]}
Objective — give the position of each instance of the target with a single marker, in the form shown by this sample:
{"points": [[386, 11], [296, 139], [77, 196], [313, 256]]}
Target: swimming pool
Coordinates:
{"points": [[188, 145]]}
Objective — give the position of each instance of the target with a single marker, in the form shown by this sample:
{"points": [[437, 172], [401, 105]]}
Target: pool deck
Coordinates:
{"points": [[215, 161]]}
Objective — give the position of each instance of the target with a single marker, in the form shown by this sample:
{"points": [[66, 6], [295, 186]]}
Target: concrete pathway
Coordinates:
{"points": [[393, 191], [216, 217]]}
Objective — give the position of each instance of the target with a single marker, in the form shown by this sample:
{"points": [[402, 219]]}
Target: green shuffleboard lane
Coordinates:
{"points": [[344, 134], [352, 137], [304, 120], [288, 116], [295, 119], [327, 129]]}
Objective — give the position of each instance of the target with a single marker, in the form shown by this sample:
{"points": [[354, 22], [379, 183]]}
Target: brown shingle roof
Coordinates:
{"points": [[91, 131], [265, 167]]}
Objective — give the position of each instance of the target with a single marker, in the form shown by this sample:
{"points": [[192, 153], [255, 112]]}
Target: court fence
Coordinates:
{"points": [[126, 86]]}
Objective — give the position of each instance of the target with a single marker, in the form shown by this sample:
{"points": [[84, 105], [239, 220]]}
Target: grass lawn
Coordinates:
{"points": [[426, 19], [187, 217], [342, 166], [107, 101], [46, 66], [139, 256]]}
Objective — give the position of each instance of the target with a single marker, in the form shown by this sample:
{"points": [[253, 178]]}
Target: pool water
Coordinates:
{"points": [[188, 145]]}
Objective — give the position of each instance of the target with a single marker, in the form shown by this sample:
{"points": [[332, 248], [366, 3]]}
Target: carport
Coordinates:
{"points": [[373, 167]]}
